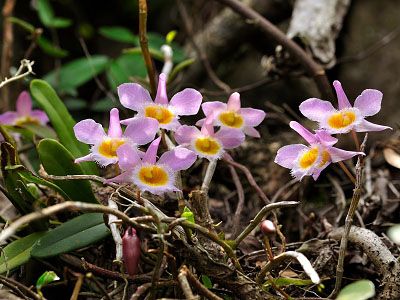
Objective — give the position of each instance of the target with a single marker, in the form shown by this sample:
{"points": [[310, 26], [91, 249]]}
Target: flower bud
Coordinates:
{"points": [[131, 251], [267, 227]]}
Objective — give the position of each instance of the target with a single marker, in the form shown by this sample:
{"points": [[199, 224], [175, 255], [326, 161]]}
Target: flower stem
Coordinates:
{"points": [[356, 141], [348, 173]]}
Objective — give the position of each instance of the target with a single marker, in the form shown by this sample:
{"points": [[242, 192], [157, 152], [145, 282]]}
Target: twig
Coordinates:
{"points": [[17, 76], [99, 285], [77, 287], [258, 218], [145, 46], [347, 172], [313, 69], [349, 219], [115, 231], [140, 291], [208, 176], [16, 286], [187, 291], [240, 204]]}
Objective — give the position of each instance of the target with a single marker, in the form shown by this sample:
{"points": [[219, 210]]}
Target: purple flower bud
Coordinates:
{"points": [[131, 251], [267, 227]]}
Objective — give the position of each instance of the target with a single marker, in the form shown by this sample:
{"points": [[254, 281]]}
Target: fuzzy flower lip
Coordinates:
{"points": [[313, 159], [205, 143], [24, 113], [147, 173], [104, 146], [232, 115], [346, 117], [184, 103]]}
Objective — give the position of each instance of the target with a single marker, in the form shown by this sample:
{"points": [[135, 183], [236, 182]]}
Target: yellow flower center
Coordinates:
{"points": [[341, 119], [231, 119], [26, 120], [308, 158], [108, 147], [207, 145], [325, 158], [162, 114], [153, 175]]}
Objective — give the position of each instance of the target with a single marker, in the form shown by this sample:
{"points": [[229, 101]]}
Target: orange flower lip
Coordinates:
{"points": [[341, 119], [162, 114], [153, 175], [308, 158], [231, 119], [207, 145], [109, 146]]}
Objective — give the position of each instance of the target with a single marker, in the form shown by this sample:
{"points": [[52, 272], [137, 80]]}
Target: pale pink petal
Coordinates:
{"points": [[24, 104], [128, 121], [133, 96], [341, 95], [186, 102], [230, 138], [234, 102], [8, 118], [185, 134], [84, 158], [340, 154], [40, 115], [151, 154], [316, 109], [178, 159], [287, 155], [200, 122], [89, 132], [161, 96], [304, 133], [252, 117], [316, 173], [250, 131], [300, 173], [210, 107], [103, 161], [369, 102], [128, 157], [366, 126], [142, 130], [325, 138], [124, 177], [173, 125], [114, 129]]}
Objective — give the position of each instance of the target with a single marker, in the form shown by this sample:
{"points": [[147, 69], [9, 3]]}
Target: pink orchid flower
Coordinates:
{"points": [[147, 173], [24, 114], [347, 117], [104, 146], [312, 159], [205, 143], [184, 103], [232, 115]]}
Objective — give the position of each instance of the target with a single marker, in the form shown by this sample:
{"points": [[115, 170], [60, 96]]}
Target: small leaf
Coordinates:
{"points": [[47, 17], [46, 278], [77, 233], [394, 233], [51, 49], [170, 36], [119, 34], [61, 23], [206, 281], [22, 23], [18, 252], [360, 290], [188, 214]]}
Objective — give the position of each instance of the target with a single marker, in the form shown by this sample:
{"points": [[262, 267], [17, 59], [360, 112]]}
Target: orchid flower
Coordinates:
{"points": [[312, 159], [205, 143], [104, 146], [184, 103], [347, 117], [151, 175], [232, 115], [24, 114]]}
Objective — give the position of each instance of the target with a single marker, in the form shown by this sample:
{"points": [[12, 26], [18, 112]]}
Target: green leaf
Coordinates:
{"points": [[47, 17], [61, 120], [75, 104], [359, 290], [102, 105], [76, 72], [51, 49], [18, 252], [157, 40], [57, 160], [41, 130], [394, 233], [46, 278], [206, 281], [61, 23], [22, 23], [170, 36], [119, 34], [188, 214], [77, 233]]}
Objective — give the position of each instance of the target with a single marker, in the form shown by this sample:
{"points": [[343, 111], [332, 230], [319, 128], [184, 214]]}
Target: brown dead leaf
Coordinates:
{"points": [[392, 157]]}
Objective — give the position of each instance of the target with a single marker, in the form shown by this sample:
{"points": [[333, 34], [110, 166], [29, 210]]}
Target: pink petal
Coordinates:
{"points": [[178, 159], [151, 154], [161, 96], [173, 125], [208, 128], [200, 122], [114, 129], [369, 102], [133, 96], [366, 126], [252, 117], [316, 109], [325, 138], [230, 138], [128, 157], [300, 173], [89, 132], [341, 95], [250, 131], [40, 115], [8, 118], [103, 161], [142, 130], [186, 102], [84, 158], [234, 102], [316, 173], [306, 134], [339, 154], [185, 134], [124, 177], [210, 107], [24, 104], [287, 155], [128, 121]]}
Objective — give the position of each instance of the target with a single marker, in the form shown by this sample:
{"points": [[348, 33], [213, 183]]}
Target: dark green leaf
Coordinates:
{"points": [[103, 105], [23, 24], [75, 104], [359, 290], [41, 130], [206, 281], [77, 233], [51, 49], [119, 34], [47, 17], [61, 23]]}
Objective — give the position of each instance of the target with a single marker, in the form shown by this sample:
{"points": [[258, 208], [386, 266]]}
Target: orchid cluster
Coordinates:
{"points": [[312, 159], [153, 117]]}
